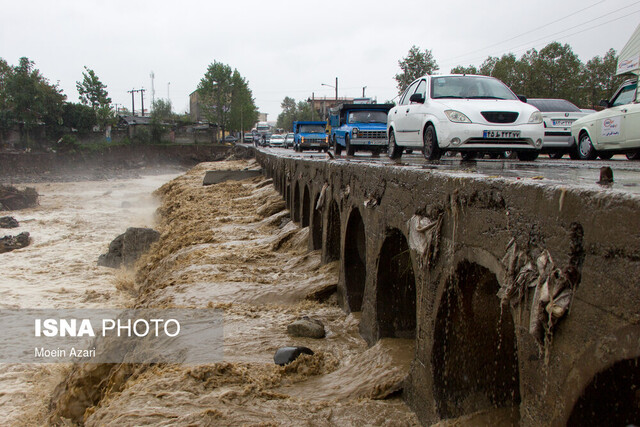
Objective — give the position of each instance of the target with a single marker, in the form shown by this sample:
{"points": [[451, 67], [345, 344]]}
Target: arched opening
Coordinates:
{"points": [[316, 226], [355, 259], [612, 398], [396, 288], [333, 233], [287, 196], [475, 357], [306, 207], [295, 208]]}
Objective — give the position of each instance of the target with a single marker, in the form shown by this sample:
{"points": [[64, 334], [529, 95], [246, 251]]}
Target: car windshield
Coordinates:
{"points": [[367, 117], [554, 105], [311, 129], [470, 87]]}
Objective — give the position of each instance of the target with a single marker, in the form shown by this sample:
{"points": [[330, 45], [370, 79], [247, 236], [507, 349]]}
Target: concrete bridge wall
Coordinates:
{"points": [[517, 294]]}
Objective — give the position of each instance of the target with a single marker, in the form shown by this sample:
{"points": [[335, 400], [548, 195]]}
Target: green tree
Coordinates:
{"points": [[414, 65], [471, 69], [161, 110], [94, 93], [226, 99], [31, 100], [78, 116], [557, 73], [243, 112], [599, 77], [288, 114]]}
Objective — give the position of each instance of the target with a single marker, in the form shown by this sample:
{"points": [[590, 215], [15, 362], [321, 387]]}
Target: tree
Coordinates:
{"points": [[78, 116], [556, 73], [92, 91], [225, 98], [29, 98], [414, 65], [599, 78], [243, 113], [288, 114]]}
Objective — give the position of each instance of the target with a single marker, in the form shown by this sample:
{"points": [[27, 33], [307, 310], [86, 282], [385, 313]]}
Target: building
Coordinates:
{"points": [[322, 105]]}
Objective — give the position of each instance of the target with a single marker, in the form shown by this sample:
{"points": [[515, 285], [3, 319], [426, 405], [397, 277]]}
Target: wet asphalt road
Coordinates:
{"points": [[563, 172]]}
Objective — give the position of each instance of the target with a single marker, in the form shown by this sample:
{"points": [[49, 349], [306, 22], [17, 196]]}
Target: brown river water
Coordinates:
{"points": [[229, 246]]}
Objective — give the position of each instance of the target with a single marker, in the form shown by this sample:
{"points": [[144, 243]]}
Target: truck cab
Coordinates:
{"points": [[310, 135], [359, 127]]}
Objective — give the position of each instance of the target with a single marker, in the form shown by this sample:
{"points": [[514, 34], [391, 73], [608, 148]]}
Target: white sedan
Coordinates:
{"points": [[276, 141], [466, 113], [616, 129]]}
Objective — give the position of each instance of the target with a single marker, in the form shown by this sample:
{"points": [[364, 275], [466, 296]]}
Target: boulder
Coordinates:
{"points": [[12, 199], [10, 243], [306, 327], [287, 355], [127, 247], [8, 222]]}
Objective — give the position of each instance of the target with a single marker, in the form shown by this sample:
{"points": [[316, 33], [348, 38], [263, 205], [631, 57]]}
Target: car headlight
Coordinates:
{"points": [[354, 132], [457, 116], [536, 117]]}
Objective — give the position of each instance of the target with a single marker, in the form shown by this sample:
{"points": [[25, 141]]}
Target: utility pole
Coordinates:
{"points": [[363, 89], [133, 102], [153, 91], [142, 99], [336, 90]]}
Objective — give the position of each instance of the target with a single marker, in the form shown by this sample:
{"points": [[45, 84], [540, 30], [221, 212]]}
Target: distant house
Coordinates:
{"points": [[131, 122]]}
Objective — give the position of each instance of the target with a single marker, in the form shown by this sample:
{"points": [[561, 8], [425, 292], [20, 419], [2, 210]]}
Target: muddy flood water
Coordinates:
{"points": [[229, 246]]}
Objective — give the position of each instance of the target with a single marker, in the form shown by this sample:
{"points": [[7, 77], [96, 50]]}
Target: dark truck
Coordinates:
{"points": [[310, 135], [359, 127]]}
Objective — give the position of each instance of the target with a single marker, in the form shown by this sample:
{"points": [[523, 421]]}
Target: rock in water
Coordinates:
{"points": [[306, 327], [10, 243], [8, 222], [286, 355], [127, 247], [13, 199]]}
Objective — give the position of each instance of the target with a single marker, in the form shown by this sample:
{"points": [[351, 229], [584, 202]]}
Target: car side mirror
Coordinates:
{"points": [[604, 103], [417, 97], [522, 98]]}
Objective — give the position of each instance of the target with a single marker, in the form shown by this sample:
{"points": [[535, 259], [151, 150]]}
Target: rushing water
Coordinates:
{"points": [[73, 224], [219, 254]]}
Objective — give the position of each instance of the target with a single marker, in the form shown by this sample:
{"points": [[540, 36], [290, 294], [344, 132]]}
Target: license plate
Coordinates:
{"points": [[562, 122], [501, 134]]}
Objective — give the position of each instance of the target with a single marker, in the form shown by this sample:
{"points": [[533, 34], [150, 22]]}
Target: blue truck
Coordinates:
{"points": [[310, 135], [359, 127]]}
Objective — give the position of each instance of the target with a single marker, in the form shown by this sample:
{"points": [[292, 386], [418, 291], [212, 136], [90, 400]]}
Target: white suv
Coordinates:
{"points": [[466, 113]]}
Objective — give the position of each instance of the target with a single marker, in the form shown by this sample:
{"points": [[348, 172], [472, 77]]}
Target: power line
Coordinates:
{"points": [[527, 32], [551, 37]]}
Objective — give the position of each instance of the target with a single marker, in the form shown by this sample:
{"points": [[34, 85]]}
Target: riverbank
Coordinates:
{"points": [[121, 161], [233, 247]]}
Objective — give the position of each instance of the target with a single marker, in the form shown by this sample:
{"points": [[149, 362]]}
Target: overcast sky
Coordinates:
{"points": [[290, 48]]}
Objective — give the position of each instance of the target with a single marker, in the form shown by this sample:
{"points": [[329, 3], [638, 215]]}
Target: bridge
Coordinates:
{"points": [[518, 294]]}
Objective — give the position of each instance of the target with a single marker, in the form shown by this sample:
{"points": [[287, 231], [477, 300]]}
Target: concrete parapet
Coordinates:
{"points": [[518, 294]]}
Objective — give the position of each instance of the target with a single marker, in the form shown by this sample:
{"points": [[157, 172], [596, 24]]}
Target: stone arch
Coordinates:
{"points": [[306, 207], [295, 206], [333, 233], [605, 364], [355, 260], [316, 226], [474, 357], [611, 398], [396, 288]]}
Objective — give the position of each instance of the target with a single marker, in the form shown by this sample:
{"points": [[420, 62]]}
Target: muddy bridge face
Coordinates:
{"points": [[518, 295]]}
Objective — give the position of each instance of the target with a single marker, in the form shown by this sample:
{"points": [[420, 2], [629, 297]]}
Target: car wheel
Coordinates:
{"points": [[585, 148], [393, 151], [605, 155], [633, 155], [528, 156], [350, 149], [556, 156], [337, 148], [468, 155], [430, 148]]}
